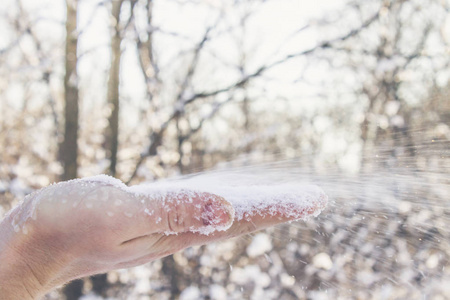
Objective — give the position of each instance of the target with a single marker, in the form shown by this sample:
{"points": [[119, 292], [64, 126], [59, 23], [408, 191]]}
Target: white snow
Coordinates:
{"points": [[287, 280], [217, 292], [249, 197], [322, 260], [250, 273], [191, 293], [260, 244], [104, 179]]}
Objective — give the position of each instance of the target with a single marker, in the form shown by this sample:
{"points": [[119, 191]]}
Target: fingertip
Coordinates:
{"points": [[216, 212], [195, 211], [217, 215]]}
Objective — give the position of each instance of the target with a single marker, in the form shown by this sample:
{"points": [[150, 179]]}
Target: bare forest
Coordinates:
{"points": [[352, 95]]}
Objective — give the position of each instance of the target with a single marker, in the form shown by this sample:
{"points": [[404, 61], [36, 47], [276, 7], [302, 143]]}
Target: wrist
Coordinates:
{"points": [[27, 269]]}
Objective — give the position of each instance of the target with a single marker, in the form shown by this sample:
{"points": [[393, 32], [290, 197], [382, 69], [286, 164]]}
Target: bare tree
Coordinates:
{"points": [[388, 114], [186, 95]]}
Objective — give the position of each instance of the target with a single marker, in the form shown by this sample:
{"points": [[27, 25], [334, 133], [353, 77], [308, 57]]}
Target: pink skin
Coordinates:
{"points": [[75, 234]]}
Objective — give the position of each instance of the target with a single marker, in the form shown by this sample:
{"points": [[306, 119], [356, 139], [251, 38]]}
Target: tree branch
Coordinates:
{"points": [[156, 136]]}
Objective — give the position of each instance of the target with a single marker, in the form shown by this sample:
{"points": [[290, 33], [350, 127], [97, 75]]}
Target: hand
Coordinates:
{"points": [[79, 228]]}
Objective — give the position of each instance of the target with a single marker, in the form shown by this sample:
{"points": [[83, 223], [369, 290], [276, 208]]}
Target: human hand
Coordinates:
{"points": [[79, 228]]}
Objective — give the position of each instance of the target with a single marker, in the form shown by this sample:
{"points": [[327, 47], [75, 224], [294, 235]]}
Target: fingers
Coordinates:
{"points": [[156, 246], [160, 217], [269, 216], [132, 215], [180, 211]]}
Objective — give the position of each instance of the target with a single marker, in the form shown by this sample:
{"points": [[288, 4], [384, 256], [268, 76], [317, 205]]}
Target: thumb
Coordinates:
{"points": [[190, 211]]}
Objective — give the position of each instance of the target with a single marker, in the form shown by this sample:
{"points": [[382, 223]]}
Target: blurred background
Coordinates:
{"points": [[353, 95]]}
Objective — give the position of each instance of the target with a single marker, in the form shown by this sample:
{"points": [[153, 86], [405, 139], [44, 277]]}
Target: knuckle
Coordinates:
{"points": [[176, 221]]}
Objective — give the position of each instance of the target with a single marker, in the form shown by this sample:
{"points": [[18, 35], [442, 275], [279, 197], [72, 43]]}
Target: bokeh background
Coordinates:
{"points": [[353, 95]]}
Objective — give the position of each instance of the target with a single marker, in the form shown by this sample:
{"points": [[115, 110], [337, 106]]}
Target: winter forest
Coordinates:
{"points": [[350, 95]]}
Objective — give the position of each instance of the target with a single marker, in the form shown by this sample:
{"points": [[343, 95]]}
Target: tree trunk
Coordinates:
{"points": [[69, 147], [112, 132]]}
